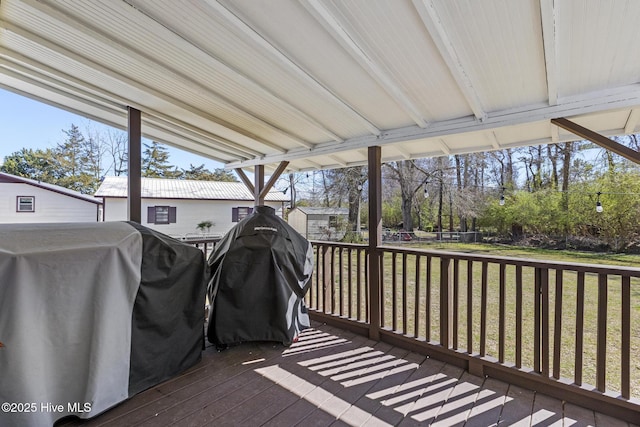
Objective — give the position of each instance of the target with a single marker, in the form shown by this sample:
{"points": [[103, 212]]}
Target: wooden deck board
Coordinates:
{"points": [[333, 377]]}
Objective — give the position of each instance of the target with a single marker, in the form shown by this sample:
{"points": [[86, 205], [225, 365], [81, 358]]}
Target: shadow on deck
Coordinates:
{"points": [[333, 377]]}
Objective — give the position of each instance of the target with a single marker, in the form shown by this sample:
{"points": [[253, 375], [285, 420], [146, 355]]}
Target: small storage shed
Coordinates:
{"points": [[317, 223]]}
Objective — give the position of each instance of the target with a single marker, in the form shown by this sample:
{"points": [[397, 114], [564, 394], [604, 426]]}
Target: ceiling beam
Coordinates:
{"points": [[623, 97], [47, 78], [598, 139], [404, 153], [632, 121], [232, 73], [549, 16], [494, 140], [356, 49], [443, 146], [338, 160], [433, 24], [277, 54], [52, 12]]}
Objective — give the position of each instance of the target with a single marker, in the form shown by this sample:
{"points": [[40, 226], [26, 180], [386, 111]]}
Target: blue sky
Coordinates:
{"points": [[25, 123]]}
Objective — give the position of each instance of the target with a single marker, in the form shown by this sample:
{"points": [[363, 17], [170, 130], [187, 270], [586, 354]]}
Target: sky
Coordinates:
{"points": [[26, 123]]}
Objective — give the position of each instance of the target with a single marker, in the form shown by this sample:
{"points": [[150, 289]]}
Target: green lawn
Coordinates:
{"points": [[533, 253]]}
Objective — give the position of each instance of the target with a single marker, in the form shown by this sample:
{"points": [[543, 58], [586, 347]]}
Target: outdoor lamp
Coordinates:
{"points": [[502, 200], [598, 204]]}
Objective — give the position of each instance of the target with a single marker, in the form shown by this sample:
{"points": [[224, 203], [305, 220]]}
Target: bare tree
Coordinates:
{"points": [[116, 149]]}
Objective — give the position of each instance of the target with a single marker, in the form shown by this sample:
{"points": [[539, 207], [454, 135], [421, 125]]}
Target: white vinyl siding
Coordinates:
{"points": [[190, 213], [49, 206]]}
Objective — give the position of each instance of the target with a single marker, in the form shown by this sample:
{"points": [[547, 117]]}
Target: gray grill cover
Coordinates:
{"points": [[260, 273], [92, 314]]}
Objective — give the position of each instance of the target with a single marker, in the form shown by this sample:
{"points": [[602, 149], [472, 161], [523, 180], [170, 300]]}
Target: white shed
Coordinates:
{"points": [[24, 200], [176, 207], [319, 223]]}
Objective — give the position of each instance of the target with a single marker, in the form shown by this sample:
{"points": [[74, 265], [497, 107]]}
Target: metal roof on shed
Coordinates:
{"points": [[322, 211], [159, 188]]}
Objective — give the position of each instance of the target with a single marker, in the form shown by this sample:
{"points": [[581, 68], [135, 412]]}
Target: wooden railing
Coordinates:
{"points": [[207, 246], [568, 330]]}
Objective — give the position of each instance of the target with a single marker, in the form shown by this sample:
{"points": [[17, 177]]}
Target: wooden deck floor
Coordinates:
{"points": [[332, 377]]}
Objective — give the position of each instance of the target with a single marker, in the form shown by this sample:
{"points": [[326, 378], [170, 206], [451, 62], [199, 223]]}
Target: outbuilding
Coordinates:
{"points": [[185, 208], [318, 223], [24, 200]]}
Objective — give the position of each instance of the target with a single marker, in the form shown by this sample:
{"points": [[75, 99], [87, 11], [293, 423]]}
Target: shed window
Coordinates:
{"points": [[333, 221], [161, 214], [240, 213], [26, 204]]}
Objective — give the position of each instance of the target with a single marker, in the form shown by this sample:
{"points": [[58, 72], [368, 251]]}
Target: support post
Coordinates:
{"points": [[258, 185], [134, 195], [375, 239]]}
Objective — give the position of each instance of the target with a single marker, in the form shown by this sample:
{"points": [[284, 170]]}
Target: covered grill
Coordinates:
{"points": [[91, 314], [259, 274]]}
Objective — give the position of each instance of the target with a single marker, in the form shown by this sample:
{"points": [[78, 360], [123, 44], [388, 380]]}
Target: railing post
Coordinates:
{"points": [[326, 279], [375, 238]]}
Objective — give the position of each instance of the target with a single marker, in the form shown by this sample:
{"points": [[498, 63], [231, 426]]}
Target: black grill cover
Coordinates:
{"points": [[259, 274]]}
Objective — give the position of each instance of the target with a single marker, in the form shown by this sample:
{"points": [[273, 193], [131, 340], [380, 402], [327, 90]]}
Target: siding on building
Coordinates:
{"points": [[189, 213], [191, 202], [314, 223], [51, 203]]}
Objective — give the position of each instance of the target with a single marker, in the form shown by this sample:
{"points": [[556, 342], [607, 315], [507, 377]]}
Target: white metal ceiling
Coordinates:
{"points": [[317, 82]]}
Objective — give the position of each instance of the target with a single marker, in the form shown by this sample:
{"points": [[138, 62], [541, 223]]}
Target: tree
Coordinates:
{"points": [[116, 150], [40, 165], [410, 178], [155, 162], [345, 186], [200, 173], [76, 162]]}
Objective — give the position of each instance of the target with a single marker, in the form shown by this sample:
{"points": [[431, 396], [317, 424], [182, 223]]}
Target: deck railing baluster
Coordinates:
{"points": [[416, 304], [557, 326], [518, 316], [601, 347], [579, 328], [349, 287], [404, 293], [427, 295], [445, 301], [544, 296], [456, 290], [469, 306], [340, 282], [483, 309], [501, 311], [394, 293], [625, 370]]}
